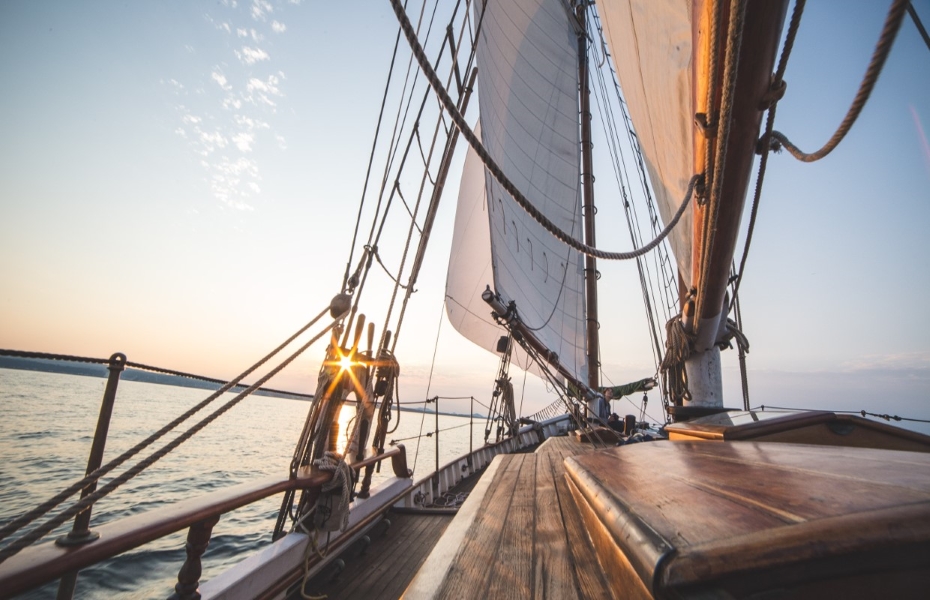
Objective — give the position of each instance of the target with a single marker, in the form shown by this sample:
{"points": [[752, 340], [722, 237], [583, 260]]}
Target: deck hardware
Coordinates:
{"points": [[80, 533]]}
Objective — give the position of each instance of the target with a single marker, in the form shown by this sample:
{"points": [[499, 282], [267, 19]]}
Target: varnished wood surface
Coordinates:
{"points": [[528, 539], [800, 427], [689, 513], [38, 564], [41, 563]]}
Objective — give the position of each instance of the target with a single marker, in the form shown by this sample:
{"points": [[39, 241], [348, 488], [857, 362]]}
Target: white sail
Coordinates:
{"points": [[650, 42], [527, 86]]}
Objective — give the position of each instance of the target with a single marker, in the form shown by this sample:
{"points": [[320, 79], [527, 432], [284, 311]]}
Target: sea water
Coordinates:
{"points": [[46, 432]]}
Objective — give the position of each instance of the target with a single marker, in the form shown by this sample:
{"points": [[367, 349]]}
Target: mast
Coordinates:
{"points": [[730, 158], [587, 191]]}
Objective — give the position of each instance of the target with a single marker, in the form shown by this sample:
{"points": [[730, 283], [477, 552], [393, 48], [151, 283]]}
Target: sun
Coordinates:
{"points": [[345, 363]]}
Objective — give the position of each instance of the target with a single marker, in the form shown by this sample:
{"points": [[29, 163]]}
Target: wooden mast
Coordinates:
{"points": [[715, 238], [587, 190]]}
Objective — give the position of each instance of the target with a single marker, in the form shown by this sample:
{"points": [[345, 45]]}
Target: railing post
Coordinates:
{"points": [[198, 538], [81, 533], [471, 431]]}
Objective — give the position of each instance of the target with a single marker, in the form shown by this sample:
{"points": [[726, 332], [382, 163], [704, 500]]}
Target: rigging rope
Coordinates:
{"points": [[864, 413], [40, 531], [499, 175], [45, 507], [429, 382], [730, 70], [882, 50], [918, 24], [620, 172], [428, 433], [776, 90]]}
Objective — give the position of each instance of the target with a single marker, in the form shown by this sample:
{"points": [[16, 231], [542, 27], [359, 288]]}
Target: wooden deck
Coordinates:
{"points": [[386, 567], [689, 520], [520, 535]]}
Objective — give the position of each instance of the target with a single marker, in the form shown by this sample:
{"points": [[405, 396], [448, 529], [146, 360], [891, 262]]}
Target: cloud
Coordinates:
{"points": [[250, 56], [243, 141], [249, 123], [278, 27], [260, 8], [243, 32], [190, 119], [210, 141], [232, 102], [261, 92], [282, 143], [220, 79], [228, 175]]}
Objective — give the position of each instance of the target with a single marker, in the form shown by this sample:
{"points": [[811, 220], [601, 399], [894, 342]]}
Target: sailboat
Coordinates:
{"points": [[731, 504]]}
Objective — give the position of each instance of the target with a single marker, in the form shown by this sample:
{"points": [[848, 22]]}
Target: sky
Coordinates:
{"points": [[180, 182]]}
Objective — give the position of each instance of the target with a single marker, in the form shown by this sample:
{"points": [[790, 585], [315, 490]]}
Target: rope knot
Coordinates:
{"points": [[775, 93], [700, 189], [768, 142]]}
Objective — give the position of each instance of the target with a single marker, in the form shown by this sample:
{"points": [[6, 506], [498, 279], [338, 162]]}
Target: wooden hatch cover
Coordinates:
{"points": [[757, 519], [800, 427]]}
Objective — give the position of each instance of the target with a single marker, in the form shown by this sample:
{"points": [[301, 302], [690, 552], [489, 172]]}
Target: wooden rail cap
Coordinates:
{"points": [[46, 562]]}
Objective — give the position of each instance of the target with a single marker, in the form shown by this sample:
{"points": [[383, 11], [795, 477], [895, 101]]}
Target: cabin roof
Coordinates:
{"points": [[689, 513]]}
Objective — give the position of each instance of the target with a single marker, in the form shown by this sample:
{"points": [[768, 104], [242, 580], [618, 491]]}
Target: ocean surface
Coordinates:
{"points": [[45, 437]]}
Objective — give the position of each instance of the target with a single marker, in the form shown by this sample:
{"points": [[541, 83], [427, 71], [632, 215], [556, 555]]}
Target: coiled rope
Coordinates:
{"points": [[882, 50], [499, 175], [332, 507], [678, 349]]}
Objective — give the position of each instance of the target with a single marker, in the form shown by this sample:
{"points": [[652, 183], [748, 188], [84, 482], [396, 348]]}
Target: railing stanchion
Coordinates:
{"points": [[471, 431], [198, 538], [436, 477], [81, 533]]}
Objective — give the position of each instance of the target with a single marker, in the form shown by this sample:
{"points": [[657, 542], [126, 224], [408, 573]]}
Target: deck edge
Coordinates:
{"points": [[435, 568]]}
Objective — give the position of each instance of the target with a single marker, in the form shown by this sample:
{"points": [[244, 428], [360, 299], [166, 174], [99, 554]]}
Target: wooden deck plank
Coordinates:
{"points": [[512, 573], [554, 575], [384, 570], [528, 541], [469, 571], [399, 560], [588, 571]]}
